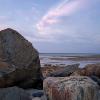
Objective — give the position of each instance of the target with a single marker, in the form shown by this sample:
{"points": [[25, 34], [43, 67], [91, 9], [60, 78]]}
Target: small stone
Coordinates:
{"points": [[38, 94]]}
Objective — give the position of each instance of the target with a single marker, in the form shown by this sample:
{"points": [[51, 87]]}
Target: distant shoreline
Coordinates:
{"points": [[68, 58], [78, 55], [66, 53]]}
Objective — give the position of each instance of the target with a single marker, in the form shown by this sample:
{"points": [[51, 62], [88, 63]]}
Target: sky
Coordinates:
{"points": [[55, 26]]}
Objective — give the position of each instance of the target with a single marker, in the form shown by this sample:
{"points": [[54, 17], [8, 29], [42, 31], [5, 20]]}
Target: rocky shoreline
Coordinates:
{"points": [[22, 78]]}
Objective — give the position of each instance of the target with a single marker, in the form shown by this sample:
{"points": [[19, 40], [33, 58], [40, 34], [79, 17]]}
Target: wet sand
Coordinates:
{"points": [[67, 60], [78, 58]]}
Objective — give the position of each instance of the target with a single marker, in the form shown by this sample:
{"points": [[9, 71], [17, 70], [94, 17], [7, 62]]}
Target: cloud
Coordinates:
{"points": [[2, 17], [65, 8]]}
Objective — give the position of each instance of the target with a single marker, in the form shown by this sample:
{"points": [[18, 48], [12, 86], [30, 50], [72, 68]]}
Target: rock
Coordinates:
{"points": [[89, 70], [50, 69], [36, 94], [79, 72], [46, 65], [92, 69], [67, 71], [19, 61], [71, 88], [96, 79], [37, 98], [13, 93]]}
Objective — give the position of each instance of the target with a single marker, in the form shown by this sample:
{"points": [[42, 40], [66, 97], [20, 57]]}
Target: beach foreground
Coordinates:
{"points": [[22, 77]]}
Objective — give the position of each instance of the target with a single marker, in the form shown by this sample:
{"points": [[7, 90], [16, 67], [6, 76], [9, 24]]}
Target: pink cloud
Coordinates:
{"points": [[65, 8]]}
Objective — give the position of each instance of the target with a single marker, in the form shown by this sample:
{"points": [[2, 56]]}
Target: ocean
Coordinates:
{"points": [[64, 59]]}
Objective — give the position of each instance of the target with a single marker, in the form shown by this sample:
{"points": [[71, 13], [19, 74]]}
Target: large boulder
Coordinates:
{"points": [[19, 61], [14, 93], [71, 88]]}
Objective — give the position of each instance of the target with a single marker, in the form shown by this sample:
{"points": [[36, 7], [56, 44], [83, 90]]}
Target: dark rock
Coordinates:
{"points": [[38, 94], [47, 65], [66, 71], [96, 79], [71, 88], [13, 93], [19, 61]]}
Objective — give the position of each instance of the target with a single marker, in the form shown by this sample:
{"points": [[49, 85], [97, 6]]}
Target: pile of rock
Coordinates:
{"points": [[73, 83], [19, 66]]}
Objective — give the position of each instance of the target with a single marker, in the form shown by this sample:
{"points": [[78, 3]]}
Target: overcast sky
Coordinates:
{"points": [[65, 26]]}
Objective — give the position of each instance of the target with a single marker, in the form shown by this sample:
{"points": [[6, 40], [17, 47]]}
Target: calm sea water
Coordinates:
{"points": [[46, 58]]}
